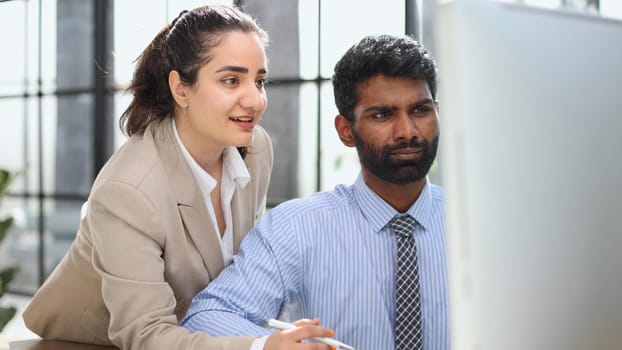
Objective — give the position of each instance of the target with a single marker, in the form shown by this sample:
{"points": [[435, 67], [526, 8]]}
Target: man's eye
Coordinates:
{"points": [[261, 83], [422, 109], [381, 115]]}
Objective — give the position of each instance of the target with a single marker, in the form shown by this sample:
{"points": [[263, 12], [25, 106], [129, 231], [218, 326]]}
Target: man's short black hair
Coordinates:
{"points": [[393, 56]]}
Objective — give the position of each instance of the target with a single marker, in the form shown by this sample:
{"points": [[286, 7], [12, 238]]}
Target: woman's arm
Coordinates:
{"points": [[128, 241]]}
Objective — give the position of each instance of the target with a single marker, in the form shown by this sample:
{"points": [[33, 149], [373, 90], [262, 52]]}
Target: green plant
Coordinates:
{"points": [[6, 274]]}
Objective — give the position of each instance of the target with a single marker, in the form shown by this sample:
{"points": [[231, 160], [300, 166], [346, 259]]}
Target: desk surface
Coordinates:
{"points": [[39, 344]]}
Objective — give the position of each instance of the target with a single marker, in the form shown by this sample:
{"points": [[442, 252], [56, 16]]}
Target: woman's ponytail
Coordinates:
{"points": [[152, 98]]}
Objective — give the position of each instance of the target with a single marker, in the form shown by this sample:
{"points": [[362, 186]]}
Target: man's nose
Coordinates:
{"points": [[404, 126]]}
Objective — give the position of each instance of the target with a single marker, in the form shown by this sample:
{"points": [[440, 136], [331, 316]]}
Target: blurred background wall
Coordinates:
{"points": [[65, 64]]}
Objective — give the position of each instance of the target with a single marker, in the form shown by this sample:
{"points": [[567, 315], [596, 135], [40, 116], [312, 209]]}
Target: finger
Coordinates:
{"points": [[287, 340], [308, 331], [315, 346], [307, 321]]}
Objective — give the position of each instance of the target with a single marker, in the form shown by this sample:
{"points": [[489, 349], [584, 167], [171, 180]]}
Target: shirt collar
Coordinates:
{"points": [[233, 166], [378, 212]]}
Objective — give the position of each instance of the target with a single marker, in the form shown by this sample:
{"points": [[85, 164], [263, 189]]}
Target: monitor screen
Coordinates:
{"points": [[531, 155]]}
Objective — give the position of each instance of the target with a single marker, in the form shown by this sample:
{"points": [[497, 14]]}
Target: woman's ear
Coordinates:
{"points": [[344, 130], [179, 90]]}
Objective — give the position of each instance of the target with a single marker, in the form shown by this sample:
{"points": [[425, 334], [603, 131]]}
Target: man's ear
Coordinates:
{"points": [[344, 130], [179, 90]]}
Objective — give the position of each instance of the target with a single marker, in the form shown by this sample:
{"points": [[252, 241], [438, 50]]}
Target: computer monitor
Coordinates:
{"points": [[531, 142]]}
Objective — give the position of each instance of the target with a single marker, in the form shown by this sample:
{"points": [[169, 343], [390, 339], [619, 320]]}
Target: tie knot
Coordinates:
{"points": [[403, 225]]}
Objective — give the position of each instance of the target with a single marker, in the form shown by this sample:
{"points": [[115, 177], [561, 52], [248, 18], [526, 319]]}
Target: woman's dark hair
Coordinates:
{"points": [[393, 56], [185, 45]]}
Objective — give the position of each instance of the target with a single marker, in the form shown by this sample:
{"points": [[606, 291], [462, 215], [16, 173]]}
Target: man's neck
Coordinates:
{"points": [[400, 197]]}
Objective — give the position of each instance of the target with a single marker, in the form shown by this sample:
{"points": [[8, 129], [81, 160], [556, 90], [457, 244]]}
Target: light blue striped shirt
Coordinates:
{"points": [[330, 256]]}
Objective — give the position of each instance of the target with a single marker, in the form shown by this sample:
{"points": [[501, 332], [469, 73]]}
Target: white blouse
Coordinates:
{"points": [[234, 172]]}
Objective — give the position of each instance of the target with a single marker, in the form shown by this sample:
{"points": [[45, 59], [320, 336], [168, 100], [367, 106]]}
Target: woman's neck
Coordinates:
{"points": [[207, 154]]}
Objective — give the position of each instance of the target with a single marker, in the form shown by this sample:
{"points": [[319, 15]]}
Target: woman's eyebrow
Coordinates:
{"points": [[239, 69]]}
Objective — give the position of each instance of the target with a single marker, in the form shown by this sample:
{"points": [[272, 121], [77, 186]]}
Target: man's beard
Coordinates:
{"points": [[400, 172]]}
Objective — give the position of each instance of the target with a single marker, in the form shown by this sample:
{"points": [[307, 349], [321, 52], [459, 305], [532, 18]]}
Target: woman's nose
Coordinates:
{"points": [[253, 98]]}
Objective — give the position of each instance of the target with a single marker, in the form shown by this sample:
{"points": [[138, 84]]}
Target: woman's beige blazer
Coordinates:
{"points": [[144, 248]]}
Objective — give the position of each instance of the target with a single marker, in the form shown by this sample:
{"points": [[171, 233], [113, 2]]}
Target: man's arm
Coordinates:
{"points": [[253, 289]]}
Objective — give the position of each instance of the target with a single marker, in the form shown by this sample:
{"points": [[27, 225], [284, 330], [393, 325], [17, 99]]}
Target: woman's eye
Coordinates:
{"points": [[261, 83], [231, 81]]}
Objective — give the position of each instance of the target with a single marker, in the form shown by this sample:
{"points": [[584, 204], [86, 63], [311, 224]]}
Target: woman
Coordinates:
{"points": [[169, 209]]}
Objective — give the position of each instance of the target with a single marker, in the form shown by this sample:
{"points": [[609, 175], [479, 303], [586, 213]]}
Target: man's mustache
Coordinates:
{"points": [[412, 143]]}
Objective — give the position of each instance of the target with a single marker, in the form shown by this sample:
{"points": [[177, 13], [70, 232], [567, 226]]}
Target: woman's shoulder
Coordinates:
{"points": [[260, 155], [261, 140], [136, 160]]}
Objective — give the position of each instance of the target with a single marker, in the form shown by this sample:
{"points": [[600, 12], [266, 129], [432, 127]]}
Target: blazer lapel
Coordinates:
{"points": [[189, 198], [201, 230], [243, 215]]}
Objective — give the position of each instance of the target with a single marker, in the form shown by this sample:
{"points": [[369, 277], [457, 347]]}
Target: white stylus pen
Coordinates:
{"points": [[328, 341]]}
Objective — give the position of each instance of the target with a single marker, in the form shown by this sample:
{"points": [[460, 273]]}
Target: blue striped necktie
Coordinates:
{"points": [[408, 323]]}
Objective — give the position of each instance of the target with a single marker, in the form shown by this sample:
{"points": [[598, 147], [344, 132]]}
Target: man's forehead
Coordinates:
{"points": [[418, 87]]}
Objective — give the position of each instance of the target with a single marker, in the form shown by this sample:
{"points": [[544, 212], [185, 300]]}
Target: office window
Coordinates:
{"points": [[62, 92], [48, 98], [307, 38], [605, 8]]}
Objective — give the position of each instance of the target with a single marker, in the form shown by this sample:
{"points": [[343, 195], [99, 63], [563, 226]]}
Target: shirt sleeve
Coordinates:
{"points": [[259, 343], [253, 289]]}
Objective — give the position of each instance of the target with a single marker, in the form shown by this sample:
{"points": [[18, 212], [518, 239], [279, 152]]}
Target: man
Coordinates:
{"points": [[351, 256]]}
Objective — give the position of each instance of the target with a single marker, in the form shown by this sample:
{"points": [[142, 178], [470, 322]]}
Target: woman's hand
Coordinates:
{"points": [[291, 339]]}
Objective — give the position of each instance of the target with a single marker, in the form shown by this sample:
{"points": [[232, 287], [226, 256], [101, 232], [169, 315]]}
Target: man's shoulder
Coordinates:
{"points": [[437, 192], [317, 204]]}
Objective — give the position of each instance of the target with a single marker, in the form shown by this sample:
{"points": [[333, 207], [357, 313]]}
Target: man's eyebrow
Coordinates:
{"points": [[378, 108], [424, 102], [385, 108]]}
